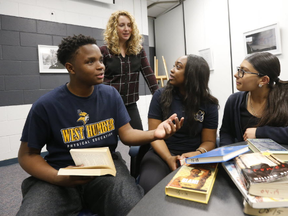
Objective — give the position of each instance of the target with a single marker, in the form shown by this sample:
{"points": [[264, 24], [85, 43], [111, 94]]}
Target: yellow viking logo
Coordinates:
{"points": [[84, 117]]}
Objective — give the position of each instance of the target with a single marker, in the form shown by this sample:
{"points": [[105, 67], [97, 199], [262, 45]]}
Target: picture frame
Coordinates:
{"points": [[207, 55], [263, 39], [48, 63]]}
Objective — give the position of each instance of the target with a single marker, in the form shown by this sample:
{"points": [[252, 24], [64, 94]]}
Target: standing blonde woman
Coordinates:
{"points": [[124, 59]]}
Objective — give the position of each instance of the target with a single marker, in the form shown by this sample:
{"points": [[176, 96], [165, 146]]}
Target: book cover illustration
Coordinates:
{"points": [[254, 201], [261, 167], [193, 182], [266, 145], [218, 155]]}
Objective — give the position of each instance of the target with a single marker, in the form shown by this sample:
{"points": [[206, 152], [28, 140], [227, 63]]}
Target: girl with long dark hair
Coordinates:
{"points": [[188, 95], [260, 109]]}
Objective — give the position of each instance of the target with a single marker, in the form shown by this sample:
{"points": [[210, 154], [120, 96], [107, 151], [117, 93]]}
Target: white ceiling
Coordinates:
{"points": [[158, 7]]}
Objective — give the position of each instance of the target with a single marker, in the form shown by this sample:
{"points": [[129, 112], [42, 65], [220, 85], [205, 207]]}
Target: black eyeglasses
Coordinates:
{"points": [[241, 72]]}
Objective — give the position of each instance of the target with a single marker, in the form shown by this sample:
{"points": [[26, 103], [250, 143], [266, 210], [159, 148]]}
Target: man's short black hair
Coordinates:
{"points": [[69, 46]]}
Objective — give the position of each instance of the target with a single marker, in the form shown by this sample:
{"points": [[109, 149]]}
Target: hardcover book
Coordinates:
{"points": [[218, 155], [258, 202], [90, 162], [263, 145], [193, 182], [263, 174], [264, 211]]}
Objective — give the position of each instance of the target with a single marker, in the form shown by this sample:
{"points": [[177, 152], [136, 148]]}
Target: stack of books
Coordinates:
{"points": [[264, 145], [263, 181], [195, 178]]}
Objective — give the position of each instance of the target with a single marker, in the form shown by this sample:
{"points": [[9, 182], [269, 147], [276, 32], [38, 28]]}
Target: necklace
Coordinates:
{"points": [[252, 108]]}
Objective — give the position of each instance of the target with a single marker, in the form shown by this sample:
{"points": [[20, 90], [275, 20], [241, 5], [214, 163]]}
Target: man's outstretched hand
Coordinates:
{"points": [[168, 127]]}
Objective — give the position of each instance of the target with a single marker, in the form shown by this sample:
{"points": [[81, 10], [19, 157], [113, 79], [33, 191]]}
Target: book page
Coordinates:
{"points": [[92, 158], [254, 159]]}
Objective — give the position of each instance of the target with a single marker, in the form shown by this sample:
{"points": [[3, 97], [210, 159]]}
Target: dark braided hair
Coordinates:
{"points": [[70, 45]]}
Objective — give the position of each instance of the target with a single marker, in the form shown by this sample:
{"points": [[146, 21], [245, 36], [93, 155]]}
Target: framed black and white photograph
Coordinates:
{"points": [[263, 39], [48, 62]]}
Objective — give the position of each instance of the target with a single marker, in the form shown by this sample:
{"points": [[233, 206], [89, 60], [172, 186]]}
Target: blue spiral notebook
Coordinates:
{"points": [[218, 155]]}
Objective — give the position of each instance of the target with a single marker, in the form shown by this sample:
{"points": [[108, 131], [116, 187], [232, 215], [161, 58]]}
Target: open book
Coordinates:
{"points": [[94, 161]]}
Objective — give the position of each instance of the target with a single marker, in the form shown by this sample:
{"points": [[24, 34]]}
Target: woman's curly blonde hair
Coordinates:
{"points": [[111, 36]]}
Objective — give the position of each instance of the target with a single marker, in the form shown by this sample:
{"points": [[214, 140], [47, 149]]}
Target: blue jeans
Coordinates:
{"points": [[104, 195]]}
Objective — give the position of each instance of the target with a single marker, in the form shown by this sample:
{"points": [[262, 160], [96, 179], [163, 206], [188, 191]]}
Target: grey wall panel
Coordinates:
{"points": [[22, 82], [151, 56], [100, 42], [51, 28], [146, 40], [2, 83], [9, 38], [141, 81], [8, 67], [48, 81], [98, 33], [18, 24], [147, 90], [11, 98], [56, 40], [30, 68], [30, 96], [19, 53], [146, 48], [33, 39], [142, 89], [73, 29]]}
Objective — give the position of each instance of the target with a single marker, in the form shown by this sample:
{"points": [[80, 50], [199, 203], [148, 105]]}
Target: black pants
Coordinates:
{"points": [[136, 123], [153, 170], [133, 111], [104, 195]]}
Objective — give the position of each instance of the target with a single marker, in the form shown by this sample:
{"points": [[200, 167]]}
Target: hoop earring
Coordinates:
{"points": [[260, 85]]}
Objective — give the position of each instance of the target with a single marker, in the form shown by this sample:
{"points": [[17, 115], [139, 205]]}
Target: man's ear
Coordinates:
{"points": [[69, 67]]}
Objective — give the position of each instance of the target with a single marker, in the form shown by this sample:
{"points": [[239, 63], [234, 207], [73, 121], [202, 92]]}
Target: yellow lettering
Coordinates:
{"points": [[81, 134], [107, 125], [74, 135], [89, 131], [65, 135], [99, 128], [95, 130], [104, 126], [112, 124]]}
